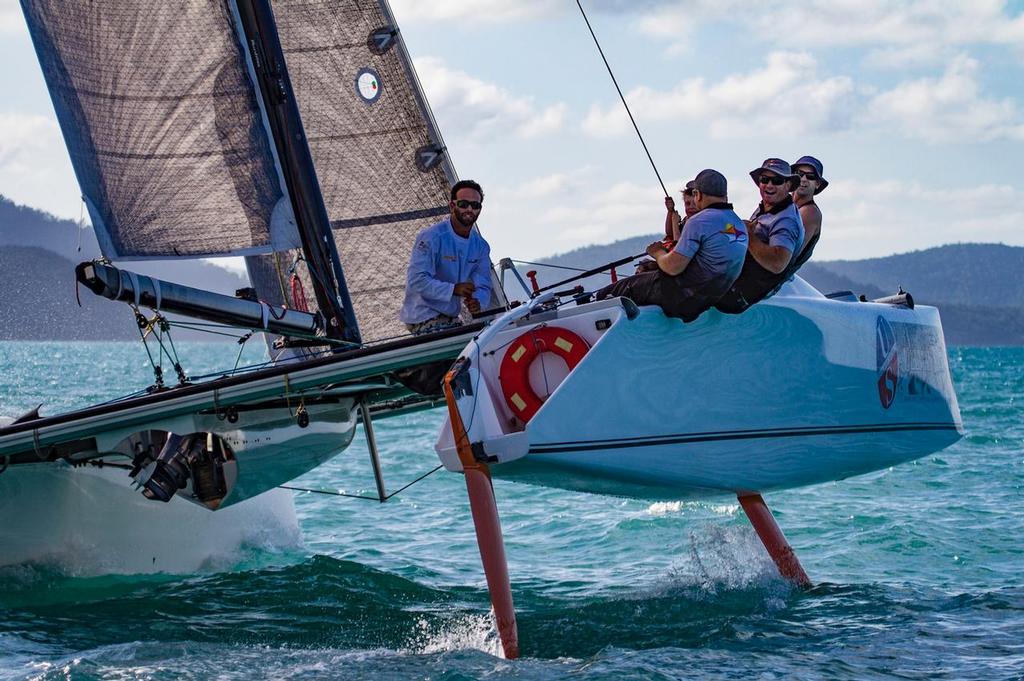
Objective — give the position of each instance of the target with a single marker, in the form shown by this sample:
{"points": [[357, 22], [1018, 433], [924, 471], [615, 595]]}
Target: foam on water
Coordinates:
{"points": [[466, 632]]}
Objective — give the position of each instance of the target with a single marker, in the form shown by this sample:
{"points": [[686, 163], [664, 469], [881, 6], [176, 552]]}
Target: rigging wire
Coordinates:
{"points": [[363, 496], [619, 90], [544, 264], [81, 229]]}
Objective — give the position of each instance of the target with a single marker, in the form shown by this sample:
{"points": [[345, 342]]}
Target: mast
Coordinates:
{"points": [[264, 46]]}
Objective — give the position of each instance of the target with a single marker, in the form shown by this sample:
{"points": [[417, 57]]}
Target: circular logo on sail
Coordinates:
{"points": [[368, 85]]}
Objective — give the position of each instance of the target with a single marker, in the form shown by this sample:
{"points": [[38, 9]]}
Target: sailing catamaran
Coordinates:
{"points": [[295, 134]]}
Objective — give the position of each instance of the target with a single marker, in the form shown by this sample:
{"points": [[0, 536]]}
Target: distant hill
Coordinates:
{"points": [[37, 301], [38, 254], [978, 288], [24, 226], [965, 274]]}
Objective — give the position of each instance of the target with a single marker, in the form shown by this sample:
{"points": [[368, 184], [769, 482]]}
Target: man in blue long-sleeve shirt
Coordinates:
{"points": [[450, 266]]}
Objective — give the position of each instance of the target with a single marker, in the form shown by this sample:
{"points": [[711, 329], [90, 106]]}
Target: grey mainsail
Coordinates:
{"points": [[164, 131], [383, 173], [165, 112]]}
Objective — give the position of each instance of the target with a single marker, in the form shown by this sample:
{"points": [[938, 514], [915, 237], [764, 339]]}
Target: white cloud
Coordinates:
{"points": [[11, 18], [898, 27], [906, 56], [477, 108], [562, 211], [787, 97], [34, 166], [898, 22], [479, 11], [503, 11], [861, 215], [947, 109], [901, 25]]}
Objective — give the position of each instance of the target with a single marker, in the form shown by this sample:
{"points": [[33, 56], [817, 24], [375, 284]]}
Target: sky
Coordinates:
{"points": [[914, 107]]}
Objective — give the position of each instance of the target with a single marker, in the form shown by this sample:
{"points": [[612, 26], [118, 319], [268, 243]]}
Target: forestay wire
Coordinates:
{"points": [[619, 90]]}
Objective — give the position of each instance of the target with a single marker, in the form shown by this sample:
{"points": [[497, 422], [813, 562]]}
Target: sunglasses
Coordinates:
{"points": [[810, 175], [464, 204], [689, 192], [773, 179]]}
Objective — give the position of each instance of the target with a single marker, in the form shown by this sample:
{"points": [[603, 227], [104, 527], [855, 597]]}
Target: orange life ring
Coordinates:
{"points": [[514, 373]]}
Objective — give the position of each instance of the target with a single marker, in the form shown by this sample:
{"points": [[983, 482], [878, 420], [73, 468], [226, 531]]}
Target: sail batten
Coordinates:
{"points": [[390, 217]]}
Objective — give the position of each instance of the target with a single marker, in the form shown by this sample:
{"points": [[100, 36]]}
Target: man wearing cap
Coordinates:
{"points": [[777, 234], [812, 182], [705, 261]]}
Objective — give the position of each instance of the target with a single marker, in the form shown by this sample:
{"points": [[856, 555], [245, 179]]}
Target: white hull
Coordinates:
{"points": [[798, 390], [87, 521], [91, 520]]}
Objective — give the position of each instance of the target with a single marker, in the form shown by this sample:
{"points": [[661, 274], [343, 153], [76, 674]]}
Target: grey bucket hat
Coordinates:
{"points": [[818, 168]]}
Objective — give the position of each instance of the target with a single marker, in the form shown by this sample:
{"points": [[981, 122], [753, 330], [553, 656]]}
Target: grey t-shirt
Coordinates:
{"points": [[715, 240], [784, 228]]}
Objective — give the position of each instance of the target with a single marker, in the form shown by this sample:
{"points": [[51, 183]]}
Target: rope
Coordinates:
{"points": [[363, 496], [631, 119], [544, 264], [81, 228], [280, 275], [241, 346], [596, 270], [165, 326], [141, 322], [298, 295]]}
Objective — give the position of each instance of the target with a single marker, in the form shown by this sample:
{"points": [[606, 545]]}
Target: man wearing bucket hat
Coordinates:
{"points": [[812, 182], [776, 236], [704, 262]]}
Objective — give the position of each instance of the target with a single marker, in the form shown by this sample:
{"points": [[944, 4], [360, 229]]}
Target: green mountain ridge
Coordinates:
{"points": [[38, 254], [976, 286]]}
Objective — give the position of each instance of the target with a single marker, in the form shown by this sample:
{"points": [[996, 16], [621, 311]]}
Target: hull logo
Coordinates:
{"points": [[888, 363]]}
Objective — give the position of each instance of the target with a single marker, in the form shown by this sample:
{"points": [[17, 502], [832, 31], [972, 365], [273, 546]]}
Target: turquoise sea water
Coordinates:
{"points": [[918, 568]]}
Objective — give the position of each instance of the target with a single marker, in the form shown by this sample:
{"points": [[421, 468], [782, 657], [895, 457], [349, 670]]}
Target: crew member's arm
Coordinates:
{"points": [[672, 219], [810, 214], [772, 258], [480, 276], [670, 262], [422, 274], [775, 255]]}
